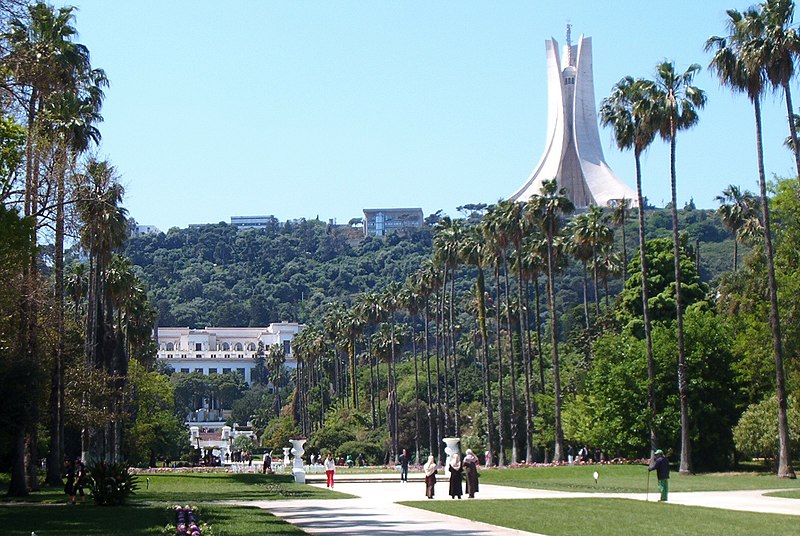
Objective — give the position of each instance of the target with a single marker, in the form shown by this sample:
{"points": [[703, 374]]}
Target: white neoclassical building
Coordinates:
{"points": [[216, 350]]}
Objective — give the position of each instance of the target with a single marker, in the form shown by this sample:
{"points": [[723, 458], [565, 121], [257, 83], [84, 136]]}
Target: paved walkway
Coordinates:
{"points": [[376, 512]]}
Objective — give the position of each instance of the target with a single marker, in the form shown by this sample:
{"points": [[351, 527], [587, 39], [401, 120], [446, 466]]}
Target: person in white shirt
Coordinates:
{"points": [[330, 469]]}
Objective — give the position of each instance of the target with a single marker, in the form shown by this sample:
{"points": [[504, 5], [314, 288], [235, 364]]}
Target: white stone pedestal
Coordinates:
{"points": [[451, 447], [298, 470], [286, 461]]}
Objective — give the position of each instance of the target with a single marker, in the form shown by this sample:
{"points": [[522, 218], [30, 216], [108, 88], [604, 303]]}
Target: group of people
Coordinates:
{"points": [[76, 479], [460, 470], [585, 455]]}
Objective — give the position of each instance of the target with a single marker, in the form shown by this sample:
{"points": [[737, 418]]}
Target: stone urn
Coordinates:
{"points": [[286, 461], [451, 447], [298, 470]]}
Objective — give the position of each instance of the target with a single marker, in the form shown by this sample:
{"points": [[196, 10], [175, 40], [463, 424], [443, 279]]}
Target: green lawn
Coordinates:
{"points": [[90, 520], [226, 486], [150, 508], [792, 494], [627, 479], [614, 517]]}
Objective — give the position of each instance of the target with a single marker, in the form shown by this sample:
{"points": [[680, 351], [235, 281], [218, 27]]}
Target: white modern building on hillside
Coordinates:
{"points": [[216, 350], [379, 221]]}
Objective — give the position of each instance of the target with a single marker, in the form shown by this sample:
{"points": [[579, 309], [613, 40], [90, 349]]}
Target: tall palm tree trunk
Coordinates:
{"points": [[526, 356], [785, 469], [683, 380], [651, 366], [456, 394], [514, 418], [501, 460], [480, 289], [551, 294]]}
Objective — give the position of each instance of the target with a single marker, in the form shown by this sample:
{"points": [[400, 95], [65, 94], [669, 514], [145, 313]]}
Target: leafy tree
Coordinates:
{"points": [[756, 433], [154, 431]]}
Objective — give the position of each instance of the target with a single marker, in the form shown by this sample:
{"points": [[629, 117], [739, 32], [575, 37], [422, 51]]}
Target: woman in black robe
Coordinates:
{"points": [[430, 477], [471, 472], [456, 471]]}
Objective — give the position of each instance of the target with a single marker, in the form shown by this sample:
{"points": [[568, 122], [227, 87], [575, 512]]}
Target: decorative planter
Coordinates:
{"points": [[286, 460], [451, 447], [298, 470]]}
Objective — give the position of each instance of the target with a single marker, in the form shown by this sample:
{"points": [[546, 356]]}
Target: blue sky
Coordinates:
{"points": [[324, 108]]}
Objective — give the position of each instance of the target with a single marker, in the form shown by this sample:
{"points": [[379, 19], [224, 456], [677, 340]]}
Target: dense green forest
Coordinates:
{"points": [[218, 275]]}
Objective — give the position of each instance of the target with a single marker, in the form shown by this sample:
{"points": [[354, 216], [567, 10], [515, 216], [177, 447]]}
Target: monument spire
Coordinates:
{"points": [[570, 58], [573, 154]]}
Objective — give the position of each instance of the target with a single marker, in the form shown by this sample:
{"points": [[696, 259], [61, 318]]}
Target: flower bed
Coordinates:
{"points": [[188, 523]]}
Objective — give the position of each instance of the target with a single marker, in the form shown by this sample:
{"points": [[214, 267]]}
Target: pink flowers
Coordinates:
{"points": [[187, 521]]}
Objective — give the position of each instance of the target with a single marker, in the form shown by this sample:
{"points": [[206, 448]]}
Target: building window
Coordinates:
{"points": [[226, 371], [213, 356], [212, 371], [169, 356], [241, 356], [238, 347], [199, 356], [241, 371], [251, 347], [198, 347], [199, 370], [170, 347], [287, 347], [183, 356], [226, 346], [227, 356], [185, 370]]}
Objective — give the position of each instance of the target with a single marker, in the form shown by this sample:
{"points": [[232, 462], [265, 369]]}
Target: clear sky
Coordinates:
{"points": [[323, 108]]}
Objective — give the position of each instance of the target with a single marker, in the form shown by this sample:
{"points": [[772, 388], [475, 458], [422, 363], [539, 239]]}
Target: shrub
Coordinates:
{"points": [[111, 483]]}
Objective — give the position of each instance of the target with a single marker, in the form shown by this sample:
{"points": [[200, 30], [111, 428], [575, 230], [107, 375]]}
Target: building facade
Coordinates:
{"points": [[379, 221], [573, 153], [219, 350]]}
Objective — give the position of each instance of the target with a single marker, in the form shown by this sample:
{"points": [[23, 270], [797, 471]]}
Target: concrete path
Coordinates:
{"points": [[376, 512]]}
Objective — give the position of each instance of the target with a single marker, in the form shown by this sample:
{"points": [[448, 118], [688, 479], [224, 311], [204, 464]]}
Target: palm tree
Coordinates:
{"points": [[676, 102], [627, 110], [547, 209], [579, 247], [736, 207], [497, 244], [70, 118], [390, 302], [619, 217], [736, 62], [98, 198], [781, 45], [473, 251]]}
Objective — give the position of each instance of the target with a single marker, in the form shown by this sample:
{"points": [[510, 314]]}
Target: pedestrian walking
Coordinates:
{"points": [[404, 466], [471, 472], [456, 472], [661, 466], [430, 477], [330, 469], [69, 476]]}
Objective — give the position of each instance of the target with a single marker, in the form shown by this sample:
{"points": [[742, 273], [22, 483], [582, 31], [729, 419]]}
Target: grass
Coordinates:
{"points": [[204, 487], [793, 494], [614, 517], [627, 479], [90, 520], [150, 508]]}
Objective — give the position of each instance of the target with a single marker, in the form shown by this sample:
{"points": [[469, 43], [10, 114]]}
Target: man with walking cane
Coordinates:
{"points": [[661, 467]]}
